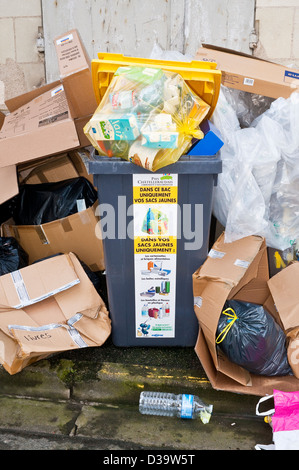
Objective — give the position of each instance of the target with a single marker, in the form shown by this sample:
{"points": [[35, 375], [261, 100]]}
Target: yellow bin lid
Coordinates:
{"points": [[201, 76]]}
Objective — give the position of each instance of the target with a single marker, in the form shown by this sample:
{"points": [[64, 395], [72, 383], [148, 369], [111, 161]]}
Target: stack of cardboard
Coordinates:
{"points": [[52, 304]]}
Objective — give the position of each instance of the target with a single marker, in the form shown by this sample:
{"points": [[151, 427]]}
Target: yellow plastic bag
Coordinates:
{"points": [[147, 116]]}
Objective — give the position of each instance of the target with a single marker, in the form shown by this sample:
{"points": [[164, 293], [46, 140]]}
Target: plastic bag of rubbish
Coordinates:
{"points": [[258, 189], [41, 203], [148, 116], [12, 255], [249, 336]]}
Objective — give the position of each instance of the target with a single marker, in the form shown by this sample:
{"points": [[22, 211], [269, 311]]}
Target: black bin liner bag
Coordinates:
{"points": [[254, 340], [12, 255], [41, 203]]}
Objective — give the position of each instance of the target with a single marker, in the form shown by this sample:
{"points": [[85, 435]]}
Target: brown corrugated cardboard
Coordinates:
{"points": [[76, 233], [47, 308], [50, 119], [8, 183], [251, 74], [74, 68], [80, 159], [47, 170], [237, 270]]}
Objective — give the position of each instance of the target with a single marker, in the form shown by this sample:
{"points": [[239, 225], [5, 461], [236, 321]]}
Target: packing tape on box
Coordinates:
{"points": [[42, 235], [69, 326]]}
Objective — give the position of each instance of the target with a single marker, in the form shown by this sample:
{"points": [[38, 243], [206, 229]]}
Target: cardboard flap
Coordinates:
{"points": [[284, 289], [236, 256], [18, 101], [36, 282]]}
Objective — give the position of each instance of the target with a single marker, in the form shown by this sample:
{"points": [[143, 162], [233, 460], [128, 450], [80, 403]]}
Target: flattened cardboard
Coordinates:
{"points": [[251, 74], [72, 315], [236, 270], [76, 233]]}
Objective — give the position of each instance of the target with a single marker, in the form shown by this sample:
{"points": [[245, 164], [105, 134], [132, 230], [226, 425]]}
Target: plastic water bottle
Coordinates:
{"points": [[169, 404]]}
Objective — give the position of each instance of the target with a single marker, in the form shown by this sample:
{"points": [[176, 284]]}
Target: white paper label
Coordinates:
{"points": [[242, 263], [155, 248], [64, 39], [248, 81], [216, 254]]}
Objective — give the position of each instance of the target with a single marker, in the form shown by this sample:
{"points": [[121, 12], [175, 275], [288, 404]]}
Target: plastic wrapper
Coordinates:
{"points": [[41, 203], [249, 336], [258, 190], [12, 255], [147, 116]]}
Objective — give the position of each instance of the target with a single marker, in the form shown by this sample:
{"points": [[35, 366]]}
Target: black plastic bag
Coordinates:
{"points": [[253, 340], [41, 203], [12, 255]]}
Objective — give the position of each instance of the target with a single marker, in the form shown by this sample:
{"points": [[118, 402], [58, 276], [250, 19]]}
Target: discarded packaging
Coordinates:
{"points": [[168, 404], [257, 192], [39, 204], [49, 307], [148, 116], [79, 233], [251, 74], [49, 119], [239, 271]]}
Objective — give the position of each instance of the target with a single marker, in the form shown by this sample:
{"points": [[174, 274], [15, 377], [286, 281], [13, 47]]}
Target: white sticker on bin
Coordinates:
{"points": [[216, 254], [242, 263]]}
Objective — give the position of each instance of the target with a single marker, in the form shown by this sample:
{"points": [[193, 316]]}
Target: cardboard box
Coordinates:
{"points": [[47, 170], [50, 119], [76, 233], [239, 271], [251, 74], [46, 308]]}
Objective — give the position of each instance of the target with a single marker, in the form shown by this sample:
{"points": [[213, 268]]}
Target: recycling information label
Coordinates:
{"points": [[155, 247]]}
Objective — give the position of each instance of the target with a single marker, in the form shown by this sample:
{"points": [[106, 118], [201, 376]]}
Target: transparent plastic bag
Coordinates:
{"points": [[147, 116], [258, 189]]}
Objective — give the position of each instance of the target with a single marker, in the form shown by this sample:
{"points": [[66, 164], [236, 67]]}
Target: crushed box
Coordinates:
{"points": [[237, 270], [78, 233], [46, 308], [50, 119], [248, 73]]}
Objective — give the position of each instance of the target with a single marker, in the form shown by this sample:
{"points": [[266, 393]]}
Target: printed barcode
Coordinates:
{"points": [[248, 81]]}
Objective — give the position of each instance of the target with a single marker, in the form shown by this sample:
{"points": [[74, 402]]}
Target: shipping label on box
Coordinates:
{"points": [[46, 109]]}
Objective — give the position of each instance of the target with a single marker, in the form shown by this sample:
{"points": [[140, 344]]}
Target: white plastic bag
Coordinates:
{"points": [[258, 189]]}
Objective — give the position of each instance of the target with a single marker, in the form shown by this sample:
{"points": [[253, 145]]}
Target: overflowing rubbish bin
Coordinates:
{"points": [[155, 213]]}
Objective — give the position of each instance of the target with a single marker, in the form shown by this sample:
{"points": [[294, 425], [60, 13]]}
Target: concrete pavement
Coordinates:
{"points": [[88, 399]]}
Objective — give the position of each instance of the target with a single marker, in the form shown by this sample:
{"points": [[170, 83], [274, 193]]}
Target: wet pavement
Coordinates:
{"points": [[88, 400]]}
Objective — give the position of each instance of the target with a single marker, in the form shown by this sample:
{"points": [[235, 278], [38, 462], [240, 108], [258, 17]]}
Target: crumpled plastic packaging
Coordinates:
{"points": [[258, 189], [147, 116]]}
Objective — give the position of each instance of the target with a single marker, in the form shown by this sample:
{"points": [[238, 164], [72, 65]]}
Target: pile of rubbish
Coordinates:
{"points": [[258, 190], [148, 116]]}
